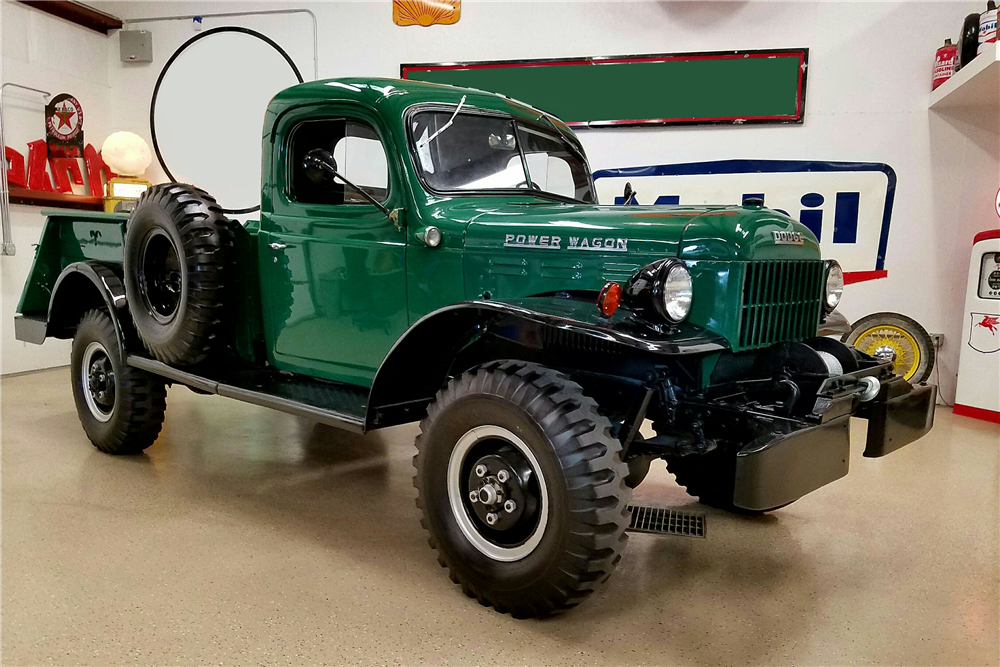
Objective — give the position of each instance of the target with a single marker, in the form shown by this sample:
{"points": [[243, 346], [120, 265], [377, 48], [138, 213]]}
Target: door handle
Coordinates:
{"points": [[276, 246]]}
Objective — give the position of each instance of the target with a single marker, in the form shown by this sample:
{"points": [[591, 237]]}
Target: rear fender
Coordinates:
{"points": [[83, 286], [450, 340]]}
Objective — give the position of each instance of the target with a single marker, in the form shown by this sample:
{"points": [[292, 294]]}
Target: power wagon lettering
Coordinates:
{"points": [[575, 242], [597, 243], [531, 241]]}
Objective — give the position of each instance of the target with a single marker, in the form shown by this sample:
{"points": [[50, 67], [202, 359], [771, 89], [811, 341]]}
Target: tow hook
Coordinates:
{"points": [[793, 395], [870, 388]]}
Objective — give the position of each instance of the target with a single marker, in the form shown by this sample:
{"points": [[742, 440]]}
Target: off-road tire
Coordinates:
{"points": [[925, 343], [139, 397], [201, 239], [580, 461], [711, 478]]}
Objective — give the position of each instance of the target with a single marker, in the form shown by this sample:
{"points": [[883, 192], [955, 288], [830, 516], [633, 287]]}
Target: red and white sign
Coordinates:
{"points": [[66, 119], [847, 205], [984, 336]]}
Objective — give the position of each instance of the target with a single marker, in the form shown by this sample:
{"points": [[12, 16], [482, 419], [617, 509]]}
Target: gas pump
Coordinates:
{"points": [[978, 393]]}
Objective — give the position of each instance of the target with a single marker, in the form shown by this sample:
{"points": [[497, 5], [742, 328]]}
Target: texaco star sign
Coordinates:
{"points": [[64, 126]]}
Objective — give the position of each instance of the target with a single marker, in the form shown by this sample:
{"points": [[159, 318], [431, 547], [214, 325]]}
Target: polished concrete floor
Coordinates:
{"points": [[245, 536]]}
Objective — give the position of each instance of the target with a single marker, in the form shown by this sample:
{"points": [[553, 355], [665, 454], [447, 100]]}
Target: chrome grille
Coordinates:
{"points": [[782, 301]]}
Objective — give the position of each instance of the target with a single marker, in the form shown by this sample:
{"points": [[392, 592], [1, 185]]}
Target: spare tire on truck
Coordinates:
{"points": [[178, 251]]}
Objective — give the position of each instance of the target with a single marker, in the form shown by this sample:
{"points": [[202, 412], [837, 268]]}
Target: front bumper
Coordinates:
{"points": [[776, 469]]}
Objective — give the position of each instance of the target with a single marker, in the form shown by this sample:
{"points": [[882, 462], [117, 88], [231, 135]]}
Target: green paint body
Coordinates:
{"points": [[329, 289]]}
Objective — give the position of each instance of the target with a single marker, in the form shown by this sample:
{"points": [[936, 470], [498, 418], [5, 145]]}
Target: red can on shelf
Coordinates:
{"points": [[944, 63]]}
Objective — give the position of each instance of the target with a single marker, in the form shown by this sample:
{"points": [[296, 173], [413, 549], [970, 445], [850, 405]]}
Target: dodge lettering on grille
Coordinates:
{"points": [[787, 238]]}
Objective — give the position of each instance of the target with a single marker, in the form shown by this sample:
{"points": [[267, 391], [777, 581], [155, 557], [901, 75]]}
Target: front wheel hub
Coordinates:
{"points": [[501, 491], [497, 495]]}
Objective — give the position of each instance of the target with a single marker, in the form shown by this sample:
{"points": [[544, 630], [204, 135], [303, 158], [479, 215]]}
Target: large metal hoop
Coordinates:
{"points": [[170, 61]]}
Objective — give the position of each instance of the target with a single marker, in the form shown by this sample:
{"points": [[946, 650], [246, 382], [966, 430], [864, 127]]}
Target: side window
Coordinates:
{"points": [[551, 165], [359, 155], [551, 173]]}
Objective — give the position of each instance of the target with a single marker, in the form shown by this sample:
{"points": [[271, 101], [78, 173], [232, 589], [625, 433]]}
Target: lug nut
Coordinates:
{"points": [[502, 476], [509, 506], [474, 496], [480, 470], [491, 518]]}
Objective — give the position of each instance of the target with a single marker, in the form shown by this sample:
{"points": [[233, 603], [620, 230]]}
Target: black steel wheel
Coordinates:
{"points": [[521, 486], [121, 408], [178, 252]]}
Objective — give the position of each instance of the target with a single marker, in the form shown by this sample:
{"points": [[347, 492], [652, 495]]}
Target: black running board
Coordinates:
{"points": [[336, 404], [666, 521]]}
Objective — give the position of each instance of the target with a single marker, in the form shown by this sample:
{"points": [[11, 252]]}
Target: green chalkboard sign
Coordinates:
{"points": [[666, 89]]}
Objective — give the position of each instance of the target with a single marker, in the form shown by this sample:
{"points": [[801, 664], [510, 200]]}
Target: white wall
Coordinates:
{"points": [[869, 80], [43, 52]]}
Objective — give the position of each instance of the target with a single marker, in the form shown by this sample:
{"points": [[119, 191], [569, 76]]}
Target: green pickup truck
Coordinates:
{"points": [[434, 253]]}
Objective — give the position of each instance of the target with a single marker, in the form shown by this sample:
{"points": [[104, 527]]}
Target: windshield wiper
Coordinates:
{"points": [[423, 142]]}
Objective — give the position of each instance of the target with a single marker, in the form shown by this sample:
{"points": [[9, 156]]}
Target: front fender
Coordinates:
{"points": [[421, 361]]}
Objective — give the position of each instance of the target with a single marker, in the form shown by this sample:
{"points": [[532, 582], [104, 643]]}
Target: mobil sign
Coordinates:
{"points": [[847, 205]]}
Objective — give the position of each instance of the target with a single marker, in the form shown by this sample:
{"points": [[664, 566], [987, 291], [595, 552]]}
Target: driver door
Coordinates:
{"points": [[333, 266]]}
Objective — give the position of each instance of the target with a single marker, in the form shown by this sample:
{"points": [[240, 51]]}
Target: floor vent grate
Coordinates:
{"points": [[662, 521]]}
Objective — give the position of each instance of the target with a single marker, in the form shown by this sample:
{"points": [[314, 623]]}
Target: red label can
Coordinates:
{"points": [[944, 63]]}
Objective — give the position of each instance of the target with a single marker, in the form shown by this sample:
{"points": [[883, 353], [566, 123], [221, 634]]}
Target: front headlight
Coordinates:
{"points": [[675, 292], [834, 286], [661, 291]]}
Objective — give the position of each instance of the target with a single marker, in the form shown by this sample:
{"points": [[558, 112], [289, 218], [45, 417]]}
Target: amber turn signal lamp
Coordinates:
{"points": [[609, 298]]}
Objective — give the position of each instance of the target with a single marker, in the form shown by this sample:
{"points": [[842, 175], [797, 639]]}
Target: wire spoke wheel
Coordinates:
{"points": [[890, 342], [895, 337]]}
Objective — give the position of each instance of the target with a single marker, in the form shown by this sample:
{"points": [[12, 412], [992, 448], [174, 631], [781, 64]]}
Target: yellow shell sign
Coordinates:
{"points": [[426, 12]]}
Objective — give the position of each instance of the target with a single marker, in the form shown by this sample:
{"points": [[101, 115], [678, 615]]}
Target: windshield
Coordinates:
{"points": [[469, 151]]}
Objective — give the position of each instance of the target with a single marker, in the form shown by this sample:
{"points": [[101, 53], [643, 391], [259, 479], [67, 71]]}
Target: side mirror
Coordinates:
{"points": [[629, 194], [320, 166]]}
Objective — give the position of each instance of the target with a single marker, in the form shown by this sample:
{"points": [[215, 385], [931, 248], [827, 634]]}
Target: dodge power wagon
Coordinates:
{"points": [[433, 253]]}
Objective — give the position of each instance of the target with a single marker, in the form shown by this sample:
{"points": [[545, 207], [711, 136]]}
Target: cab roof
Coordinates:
{"points": [[391, 97]]}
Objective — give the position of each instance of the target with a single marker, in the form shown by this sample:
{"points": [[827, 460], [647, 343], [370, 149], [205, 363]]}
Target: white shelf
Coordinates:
{"points": [[976, 85]]}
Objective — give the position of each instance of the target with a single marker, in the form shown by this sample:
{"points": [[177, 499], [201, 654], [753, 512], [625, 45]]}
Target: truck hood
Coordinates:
{"points": [[687, 232]]}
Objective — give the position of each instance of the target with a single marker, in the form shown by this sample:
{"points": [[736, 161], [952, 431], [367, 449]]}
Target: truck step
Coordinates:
{"points": [[333, 403], [666, 521]]}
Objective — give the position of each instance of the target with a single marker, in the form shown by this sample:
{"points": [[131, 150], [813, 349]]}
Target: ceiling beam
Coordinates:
{"points": [[77, 13]]}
